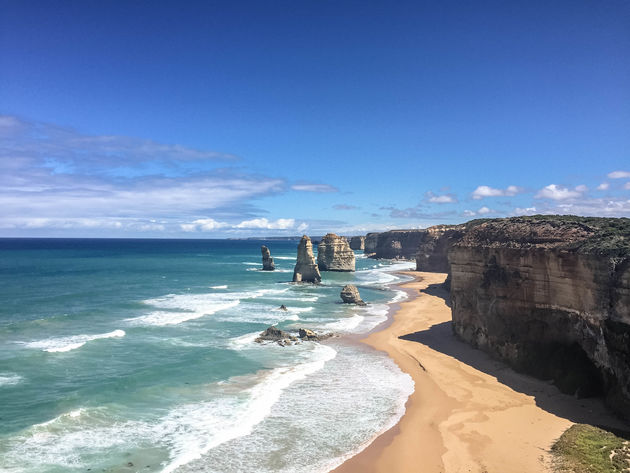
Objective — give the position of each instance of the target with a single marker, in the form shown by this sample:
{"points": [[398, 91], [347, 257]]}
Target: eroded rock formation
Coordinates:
{"points": [[273, 334], [334, 254], [306, 269], [551, 296], [350, 295], [357, 243], [432, 251], [267, 260], [306, 334]]}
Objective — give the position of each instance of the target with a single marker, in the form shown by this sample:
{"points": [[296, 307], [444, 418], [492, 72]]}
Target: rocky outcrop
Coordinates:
{"points": [[267, 260], [334, 254], [306, 269], [357, 243], [398, 244], [432, 251], [551, 296], [273, 334], [350, 295], [306, 334]]}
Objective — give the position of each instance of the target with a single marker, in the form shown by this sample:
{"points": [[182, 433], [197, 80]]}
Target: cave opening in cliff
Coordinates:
{"points": [[570, 368]]}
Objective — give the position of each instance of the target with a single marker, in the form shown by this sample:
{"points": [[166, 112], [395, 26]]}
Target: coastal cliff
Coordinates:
{"points": [[357, 242], [394, 244], [370, 242], [334, 254], [432, 252], [551, 296]]}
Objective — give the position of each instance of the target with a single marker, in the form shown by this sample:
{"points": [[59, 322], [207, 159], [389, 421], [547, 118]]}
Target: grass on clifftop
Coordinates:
{"points": [[588, 449]]}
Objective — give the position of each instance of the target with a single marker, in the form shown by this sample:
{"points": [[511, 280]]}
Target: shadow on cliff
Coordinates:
{"points": [[440, 338], [438, 290]]}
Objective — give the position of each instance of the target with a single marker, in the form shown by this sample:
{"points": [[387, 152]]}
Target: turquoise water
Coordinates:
{"points": [[139, 355]]}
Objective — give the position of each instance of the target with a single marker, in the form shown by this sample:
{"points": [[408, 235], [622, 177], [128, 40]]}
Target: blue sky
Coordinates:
{"points": [[214, 119]]}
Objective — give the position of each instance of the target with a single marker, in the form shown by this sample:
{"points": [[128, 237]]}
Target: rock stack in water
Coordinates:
{"points": [[350, 295], [267, 260], [306, 269], [334, 254]]}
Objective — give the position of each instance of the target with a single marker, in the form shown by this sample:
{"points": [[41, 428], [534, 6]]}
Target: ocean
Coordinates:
{"points": [[139, 355]]}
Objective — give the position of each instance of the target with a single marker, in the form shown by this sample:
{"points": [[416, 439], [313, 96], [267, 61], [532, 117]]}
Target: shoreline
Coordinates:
{"points": [[468, 412]]}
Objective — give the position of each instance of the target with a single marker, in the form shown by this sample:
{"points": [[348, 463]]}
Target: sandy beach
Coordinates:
{"points": [[469, 413]]}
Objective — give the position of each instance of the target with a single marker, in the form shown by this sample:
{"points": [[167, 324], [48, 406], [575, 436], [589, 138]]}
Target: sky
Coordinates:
{"points": [[213, 119]]}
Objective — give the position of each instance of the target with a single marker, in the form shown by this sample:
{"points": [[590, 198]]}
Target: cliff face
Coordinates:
{"points": [[357, 243], [370, 242], [550, 295], [432, 252], [334, 254], [397, 244], [306, 269]]}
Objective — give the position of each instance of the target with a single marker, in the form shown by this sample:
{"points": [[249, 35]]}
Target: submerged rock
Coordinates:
{"points": [[334, 254], [306, 270], [273, 334], [267, 260], [350, 295]]}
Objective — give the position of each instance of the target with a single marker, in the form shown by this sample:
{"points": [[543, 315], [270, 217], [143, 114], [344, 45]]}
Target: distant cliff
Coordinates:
{"points": [[432, 251], [551, 296], [399, 244]]}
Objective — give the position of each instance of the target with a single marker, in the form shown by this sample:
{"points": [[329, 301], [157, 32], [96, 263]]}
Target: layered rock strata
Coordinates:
{"points": [[306, 269], [350, 295], [432, 251], [267, 260], [334, 254], [551, 296], [357, 243]]}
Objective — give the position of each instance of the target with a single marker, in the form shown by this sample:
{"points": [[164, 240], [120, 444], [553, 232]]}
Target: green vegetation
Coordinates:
{"points": [[606, 236], [588, 449]]}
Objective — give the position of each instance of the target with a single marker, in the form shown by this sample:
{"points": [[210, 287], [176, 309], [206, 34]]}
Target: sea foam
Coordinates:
{"points": [[63, 344]]}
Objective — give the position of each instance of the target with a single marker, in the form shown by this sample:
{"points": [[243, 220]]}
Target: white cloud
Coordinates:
{"points": [[204, 225], [487, 191], [321, 188], [525, 211], [280, 224], [627, 186], [302, 227], [555, 192], [469, 213], [433, 198], [485, 211], [603, 186], [619, 175], [442, 199]]}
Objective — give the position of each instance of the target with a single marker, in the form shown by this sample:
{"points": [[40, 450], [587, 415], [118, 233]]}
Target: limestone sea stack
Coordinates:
{"points": [[334, 254], [306, 269], [267, 260], [350, 295]]}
